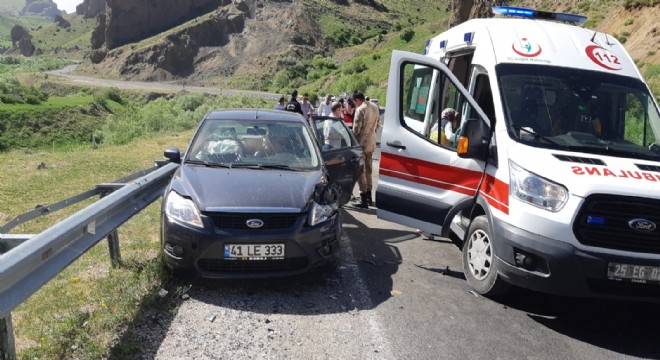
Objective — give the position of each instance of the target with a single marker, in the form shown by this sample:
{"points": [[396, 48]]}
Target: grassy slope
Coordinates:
{"points": [[93, 300], [431, 22], [75, 40], [8, 21]]}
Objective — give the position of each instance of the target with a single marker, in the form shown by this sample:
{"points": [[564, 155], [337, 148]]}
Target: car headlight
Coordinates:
{"points": [[184, 210], [319, 213], [533, 189]]}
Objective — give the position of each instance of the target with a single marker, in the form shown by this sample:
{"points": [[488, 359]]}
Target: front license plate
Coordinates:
{"points": [[634, 273], [254, 251]]}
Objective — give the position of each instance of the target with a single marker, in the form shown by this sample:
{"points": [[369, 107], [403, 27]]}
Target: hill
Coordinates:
{"points": [[321, 45]]}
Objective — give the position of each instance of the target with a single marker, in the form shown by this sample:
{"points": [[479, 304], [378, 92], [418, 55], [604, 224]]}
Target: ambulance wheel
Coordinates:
{"points": [[479, 261]]}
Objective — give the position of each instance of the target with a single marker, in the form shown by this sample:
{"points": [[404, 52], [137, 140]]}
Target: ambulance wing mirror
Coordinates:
{"points": [[473, 140]]}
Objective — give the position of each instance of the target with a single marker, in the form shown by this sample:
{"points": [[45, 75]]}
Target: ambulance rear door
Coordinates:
{"points": [[421, 179]]}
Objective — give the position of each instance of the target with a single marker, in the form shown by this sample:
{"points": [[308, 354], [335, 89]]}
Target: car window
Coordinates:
{"points": [[332, 134], [254, 142]]}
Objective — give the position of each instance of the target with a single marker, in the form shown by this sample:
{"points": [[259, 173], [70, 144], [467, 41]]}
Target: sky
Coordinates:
{"points": [[68, 5]]}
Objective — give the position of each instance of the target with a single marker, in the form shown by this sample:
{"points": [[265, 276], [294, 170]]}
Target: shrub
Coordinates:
{"points": [[114, 94], [407, 34], [629, 21]]}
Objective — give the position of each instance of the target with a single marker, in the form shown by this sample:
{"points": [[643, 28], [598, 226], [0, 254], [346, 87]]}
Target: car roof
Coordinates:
{"points": [[254, 114]]}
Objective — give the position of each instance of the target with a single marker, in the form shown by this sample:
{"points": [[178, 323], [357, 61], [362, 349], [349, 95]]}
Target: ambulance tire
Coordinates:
{"points": [[479, 261]]}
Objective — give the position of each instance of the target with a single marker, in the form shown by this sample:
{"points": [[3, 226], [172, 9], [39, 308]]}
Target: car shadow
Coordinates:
{"points": [[624, 327], [361, 281]]}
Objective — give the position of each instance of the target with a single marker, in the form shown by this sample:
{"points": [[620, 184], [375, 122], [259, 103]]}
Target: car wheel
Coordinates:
{"points": [[480, 264]]}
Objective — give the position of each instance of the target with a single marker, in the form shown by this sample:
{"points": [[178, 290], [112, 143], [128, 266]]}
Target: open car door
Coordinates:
{"points": [[342, 154], [422, 181]]}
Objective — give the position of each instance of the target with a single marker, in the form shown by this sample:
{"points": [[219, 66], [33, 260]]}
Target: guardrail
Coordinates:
{"points": [[27, 262]]}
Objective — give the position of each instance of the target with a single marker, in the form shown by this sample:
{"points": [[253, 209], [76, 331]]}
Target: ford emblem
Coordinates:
{"points": [[257, 223], [642, 225]]}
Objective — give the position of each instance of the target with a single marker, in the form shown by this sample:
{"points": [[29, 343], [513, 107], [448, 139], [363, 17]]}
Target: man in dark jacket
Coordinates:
{"points": [[294, 105]]}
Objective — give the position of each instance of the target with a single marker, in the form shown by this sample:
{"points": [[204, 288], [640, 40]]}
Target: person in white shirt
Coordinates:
{"points": [[306, 106], [280, 104], [325, 109]]}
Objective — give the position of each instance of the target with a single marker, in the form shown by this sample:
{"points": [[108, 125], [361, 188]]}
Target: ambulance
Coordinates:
{"points": [[551, 180]]}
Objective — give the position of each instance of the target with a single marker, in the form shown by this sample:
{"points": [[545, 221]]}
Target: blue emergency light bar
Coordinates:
{"points": [[536, 14]]}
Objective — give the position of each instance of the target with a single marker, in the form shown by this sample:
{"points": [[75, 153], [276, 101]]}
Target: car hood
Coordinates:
{"points": [[584, 174], [220, 187]]}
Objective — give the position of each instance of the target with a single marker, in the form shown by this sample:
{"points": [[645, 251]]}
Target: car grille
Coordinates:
{"points": [[611, 229], [252, 266], [239, 220]]}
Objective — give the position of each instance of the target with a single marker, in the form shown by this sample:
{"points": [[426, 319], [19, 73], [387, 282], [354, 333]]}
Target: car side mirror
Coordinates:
{"points": [[173, 154], [473, 140]]}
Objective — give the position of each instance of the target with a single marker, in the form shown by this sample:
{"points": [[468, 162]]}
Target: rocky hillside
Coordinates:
{"points": [[238, 37]]}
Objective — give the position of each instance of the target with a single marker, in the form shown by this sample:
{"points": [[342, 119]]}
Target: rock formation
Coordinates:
{"points": [[134, 20], [62, 22], [176, 55], [91, 8], [21, 41], [45, 8], [463, 10], [98, 34]]}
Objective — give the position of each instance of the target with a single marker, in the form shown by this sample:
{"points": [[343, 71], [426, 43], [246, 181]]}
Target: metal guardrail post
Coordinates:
{"points": [[113, 237], [113, 247], [7, 345]]}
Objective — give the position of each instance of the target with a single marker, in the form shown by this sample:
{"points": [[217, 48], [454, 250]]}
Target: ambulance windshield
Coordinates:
{"points": [[579, 110]]}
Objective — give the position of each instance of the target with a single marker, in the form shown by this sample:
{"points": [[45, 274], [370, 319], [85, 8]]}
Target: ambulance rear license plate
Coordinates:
{"points": [[634, 273], [254, 251]]}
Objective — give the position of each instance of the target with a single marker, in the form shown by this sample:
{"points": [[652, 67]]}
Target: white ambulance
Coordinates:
{"points": [[553, 183]]}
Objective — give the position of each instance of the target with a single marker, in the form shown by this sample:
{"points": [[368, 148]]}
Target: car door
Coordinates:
{"points": [[421, 178], [342, 154]]}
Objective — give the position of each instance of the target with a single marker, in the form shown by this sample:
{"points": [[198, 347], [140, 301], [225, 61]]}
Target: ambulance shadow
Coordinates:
{"points": [[627, 328]]}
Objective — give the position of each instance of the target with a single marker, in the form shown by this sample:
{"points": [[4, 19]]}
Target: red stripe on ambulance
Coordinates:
{"points": [[446, 177]]}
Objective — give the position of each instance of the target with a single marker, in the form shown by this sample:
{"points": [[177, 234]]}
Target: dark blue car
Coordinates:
{"points": [[254, 197]]}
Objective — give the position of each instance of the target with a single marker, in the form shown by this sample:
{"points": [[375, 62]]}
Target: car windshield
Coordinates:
{"points": [[579, 110], [253, 144]]}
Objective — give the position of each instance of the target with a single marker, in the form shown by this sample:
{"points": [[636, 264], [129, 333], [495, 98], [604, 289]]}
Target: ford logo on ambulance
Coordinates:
{"points": [[256, 223], [641, 225]]}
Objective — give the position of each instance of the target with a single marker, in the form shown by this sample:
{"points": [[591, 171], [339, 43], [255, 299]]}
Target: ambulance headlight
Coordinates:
{"points": [[533, 189]]}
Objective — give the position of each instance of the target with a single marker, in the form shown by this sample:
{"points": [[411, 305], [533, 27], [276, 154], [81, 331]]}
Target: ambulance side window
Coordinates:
{"points": [[417, 88], [484, 97], [431, 105]]}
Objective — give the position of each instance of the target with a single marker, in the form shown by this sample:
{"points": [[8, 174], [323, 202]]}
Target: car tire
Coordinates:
{"points": [[480, 264]]}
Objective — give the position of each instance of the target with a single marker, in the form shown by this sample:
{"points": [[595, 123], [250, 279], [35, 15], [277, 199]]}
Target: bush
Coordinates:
{"points": [[114, 94], [407, 34], [629, 21]]}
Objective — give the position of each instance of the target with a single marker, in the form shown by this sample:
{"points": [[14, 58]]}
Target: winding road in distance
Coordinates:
{"points": [[154, 86]]}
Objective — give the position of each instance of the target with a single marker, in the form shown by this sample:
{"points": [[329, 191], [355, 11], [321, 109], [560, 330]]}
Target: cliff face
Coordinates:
{"points": [[45, 8], [133, 20], [91, 8], [234, 39]]}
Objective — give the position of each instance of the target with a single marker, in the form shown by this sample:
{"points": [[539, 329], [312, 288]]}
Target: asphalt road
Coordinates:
{"points": [[394, 296]]}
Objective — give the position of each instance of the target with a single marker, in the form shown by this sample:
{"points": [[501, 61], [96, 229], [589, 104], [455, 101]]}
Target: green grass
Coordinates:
{"points": [[53, 102], [8, 21], [51, 37], [94, 302]]}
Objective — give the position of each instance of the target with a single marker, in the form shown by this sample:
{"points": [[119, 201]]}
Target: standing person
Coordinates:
{"points": [[294, 105], [349, 110], [280, 104], [365, 123], [306, 107], [337, 110], [325, 109]]}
